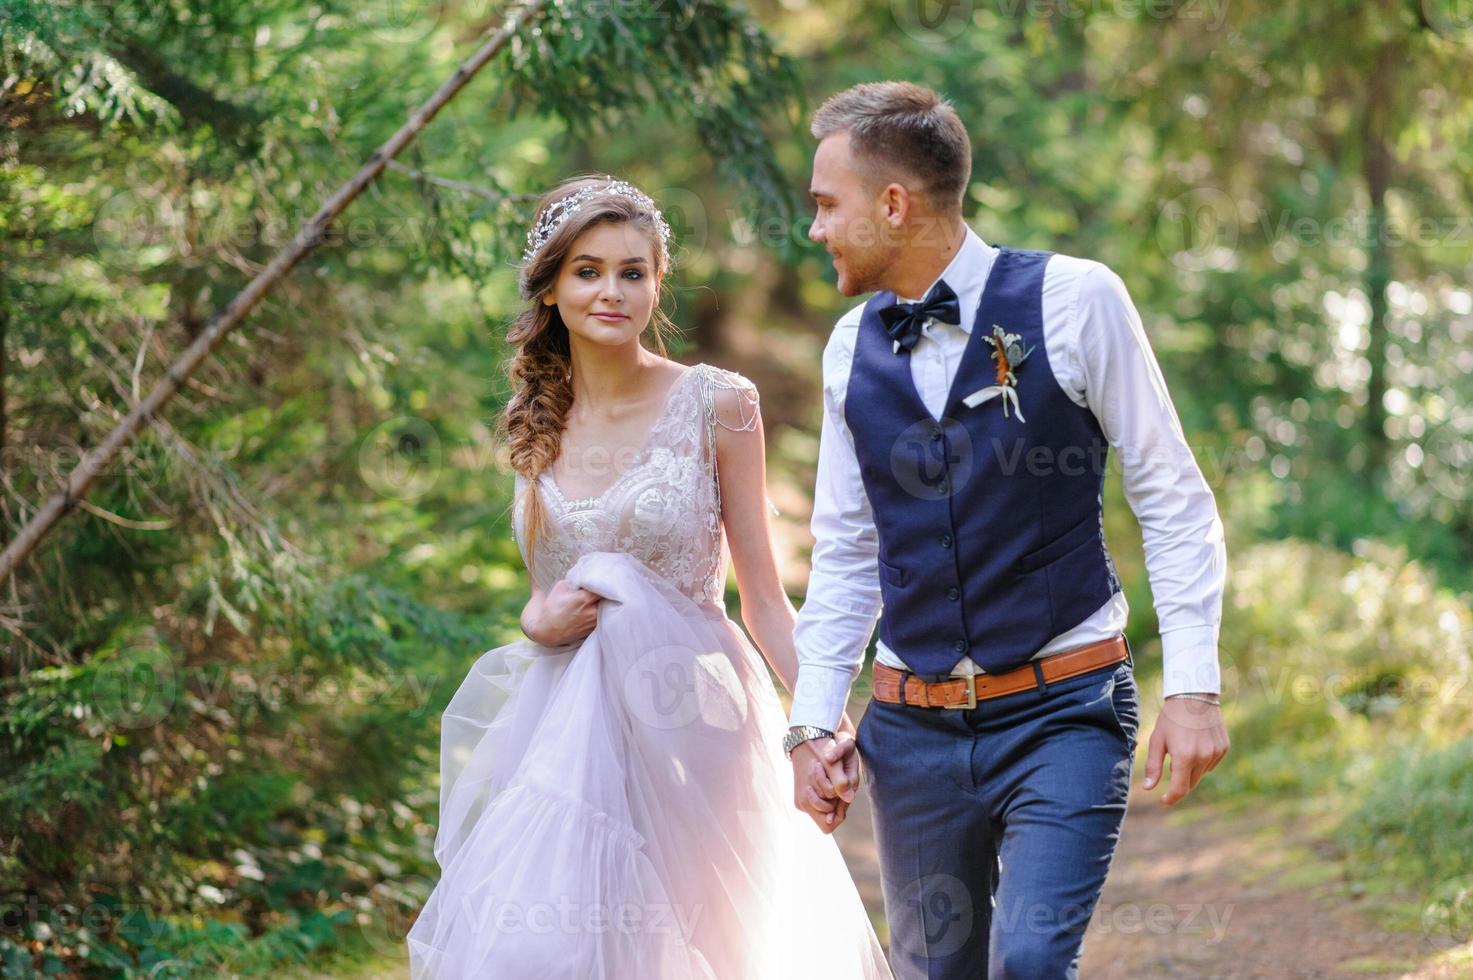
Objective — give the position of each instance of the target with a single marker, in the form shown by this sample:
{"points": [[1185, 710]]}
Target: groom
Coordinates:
{"points": [[969, 409]]}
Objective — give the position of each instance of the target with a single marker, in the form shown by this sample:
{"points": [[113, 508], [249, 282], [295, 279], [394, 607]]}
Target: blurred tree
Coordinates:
{"points": [[1317, 199]]}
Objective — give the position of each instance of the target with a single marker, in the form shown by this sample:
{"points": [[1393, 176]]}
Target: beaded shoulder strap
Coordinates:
{"points": [[713, 380]]}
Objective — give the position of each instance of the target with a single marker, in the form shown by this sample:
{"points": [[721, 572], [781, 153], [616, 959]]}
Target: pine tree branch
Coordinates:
{"points": [[94, 464]]}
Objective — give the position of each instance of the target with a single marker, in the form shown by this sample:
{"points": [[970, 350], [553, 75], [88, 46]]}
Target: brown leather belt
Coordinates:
{"points": [[966, 691]]}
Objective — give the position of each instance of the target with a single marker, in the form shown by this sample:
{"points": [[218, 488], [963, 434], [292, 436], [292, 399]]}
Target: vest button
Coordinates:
{"points": [[935, 435], [943, 487], [953, 594], [960, 646], [946, 541]]}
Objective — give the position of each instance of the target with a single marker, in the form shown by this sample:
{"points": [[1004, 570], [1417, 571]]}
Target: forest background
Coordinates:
{"points": [[222, 671]]}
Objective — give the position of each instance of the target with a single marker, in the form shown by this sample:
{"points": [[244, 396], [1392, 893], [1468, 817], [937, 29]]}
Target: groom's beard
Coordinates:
{"points": [[865, 273]]}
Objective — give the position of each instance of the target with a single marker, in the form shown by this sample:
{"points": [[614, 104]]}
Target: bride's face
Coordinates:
{"points": [[850, 222], [606, 289]]}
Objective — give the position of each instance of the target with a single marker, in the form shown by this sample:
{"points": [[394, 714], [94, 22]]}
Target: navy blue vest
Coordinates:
{"points": [[991, 530]]}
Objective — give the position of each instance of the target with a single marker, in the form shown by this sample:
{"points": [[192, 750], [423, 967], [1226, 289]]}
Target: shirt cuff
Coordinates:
{"points": [[820, 694], [1189, 661]]}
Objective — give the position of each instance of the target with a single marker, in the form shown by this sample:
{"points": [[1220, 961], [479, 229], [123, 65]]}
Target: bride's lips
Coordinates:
{"points": [[611, 317]]}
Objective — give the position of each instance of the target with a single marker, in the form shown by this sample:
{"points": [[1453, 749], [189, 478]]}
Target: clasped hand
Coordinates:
{"points": [[826, 776]]}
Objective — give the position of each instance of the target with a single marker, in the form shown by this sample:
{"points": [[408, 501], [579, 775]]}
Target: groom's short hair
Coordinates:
{"points": [[903, 132]]}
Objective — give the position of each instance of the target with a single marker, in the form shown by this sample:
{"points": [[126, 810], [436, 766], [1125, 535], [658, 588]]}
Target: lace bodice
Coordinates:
{"points": [[665, 509]]}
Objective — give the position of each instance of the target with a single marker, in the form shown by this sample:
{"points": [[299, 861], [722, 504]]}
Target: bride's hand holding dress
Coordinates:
{"points": [[565, 614]]}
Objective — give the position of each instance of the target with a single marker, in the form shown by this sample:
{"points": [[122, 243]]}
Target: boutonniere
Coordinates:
{"points": [[1008, 352]]}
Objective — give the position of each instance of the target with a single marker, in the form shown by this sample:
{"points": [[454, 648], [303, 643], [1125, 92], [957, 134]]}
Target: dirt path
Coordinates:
{"points": [[1200, 893], [1204, 893]]}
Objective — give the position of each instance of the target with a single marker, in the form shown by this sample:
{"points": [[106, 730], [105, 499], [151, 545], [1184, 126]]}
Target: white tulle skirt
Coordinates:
{"points": [[622, 810]]}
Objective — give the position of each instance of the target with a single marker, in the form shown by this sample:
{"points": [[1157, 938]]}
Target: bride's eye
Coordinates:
{"points": [[588, 268]]}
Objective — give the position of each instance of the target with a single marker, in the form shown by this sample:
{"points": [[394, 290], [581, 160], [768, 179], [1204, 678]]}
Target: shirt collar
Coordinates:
{"points": [[966, 274]]}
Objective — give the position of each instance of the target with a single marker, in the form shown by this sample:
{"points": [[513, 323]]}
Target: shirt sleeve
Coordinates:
{"points": [[838, 616], [1186, 557]]}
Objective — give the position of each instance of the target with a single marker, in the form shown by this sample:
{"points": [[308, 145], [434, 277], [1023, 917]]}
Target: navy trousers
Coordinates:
{"points": [[996, 825]]}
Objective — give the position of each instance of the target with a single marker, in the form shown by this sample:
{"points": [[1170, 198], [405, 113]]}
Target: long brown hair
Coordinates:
{"points": [[542, 365]]}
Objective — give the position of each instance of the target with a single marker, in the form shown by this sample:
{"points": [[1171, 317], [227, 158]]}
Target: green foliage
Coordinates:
{"points": [[1415, 822], [705, 62], [186, 787], [1370, 635], [1349, 677], [66, 46]]}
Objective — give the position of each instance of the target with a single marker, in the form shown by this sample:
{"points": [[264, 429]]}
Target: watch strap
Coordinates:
{"points": [[799, 734]]}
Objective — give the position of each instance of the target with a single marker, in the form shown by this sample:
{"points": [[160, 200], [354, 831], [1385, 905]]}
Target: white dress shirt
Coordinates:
{"points": [[1100, 357]]}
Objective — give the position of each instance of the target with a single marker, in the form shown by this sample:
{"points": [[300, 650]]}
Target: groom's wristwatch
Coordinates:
{"points": [[799, 734]]}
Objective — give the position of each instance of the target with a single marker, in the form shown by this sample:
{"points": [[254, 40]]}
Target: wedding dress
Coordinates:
{"points": [[621, 809]]}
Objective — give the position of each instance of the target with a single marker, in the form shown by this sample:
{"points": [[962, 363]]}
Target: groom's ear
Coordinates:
{"points": [[897, 202]]}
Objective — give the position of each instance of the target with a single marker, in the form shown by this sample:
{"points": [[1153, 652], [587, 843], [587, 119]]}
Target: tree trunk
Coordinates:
{"points": [[4, 339], [1376, 170]]}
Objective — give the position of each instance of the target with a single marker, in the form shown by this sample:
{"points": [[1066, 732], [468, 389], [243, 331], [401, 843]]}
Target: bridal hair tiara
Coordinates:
{"points": [[565, 207]]}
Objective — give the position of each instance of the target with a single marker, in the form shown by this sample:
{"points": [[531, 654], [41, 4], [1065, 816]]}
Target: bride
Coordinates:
{"points": [[614, 800]]}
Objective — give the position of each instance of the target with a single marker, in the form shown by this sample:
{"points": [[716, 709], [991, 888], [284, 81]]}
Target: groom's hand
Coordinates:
{"points": [[813, 789], [843, 753], [825, 778], [1192, 733]]}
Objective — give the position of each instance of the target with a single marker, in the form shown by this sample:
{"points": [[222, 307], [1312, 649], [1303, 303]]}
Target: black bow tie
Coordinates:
{"points": [[903, 321]]}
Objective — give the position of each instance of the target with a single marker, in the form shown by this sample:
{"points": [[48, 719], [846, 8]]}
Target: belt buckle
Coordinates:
{"points": [[971, 680]]}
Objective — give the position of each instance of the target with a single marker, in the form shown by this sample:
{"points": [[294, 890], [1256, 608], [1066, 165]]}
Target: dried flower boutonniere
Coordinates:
{"points": [[1008, 352]]}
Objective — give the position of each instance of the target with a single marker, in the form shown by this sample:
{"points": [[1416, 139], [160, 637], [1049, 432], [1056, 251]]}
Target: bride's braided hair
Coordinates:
{"points": [[541, 367]]}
